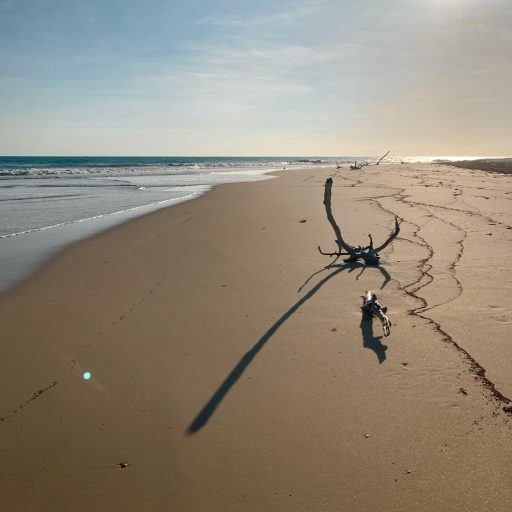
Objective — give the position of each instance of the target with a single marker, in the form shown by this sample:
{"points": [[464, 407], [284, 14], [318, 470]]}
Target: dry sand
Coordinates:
{"points": [[231, 370]]}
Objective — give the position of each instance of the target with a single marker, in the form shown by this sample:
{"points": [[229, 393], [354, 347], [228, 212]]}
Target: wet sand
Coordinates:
{"points": [[232, 370]]}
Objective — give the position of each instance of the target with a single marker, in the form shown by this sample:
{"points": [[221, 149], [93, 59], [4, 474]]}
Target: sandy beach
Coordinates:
{"points": [[230, 366]]}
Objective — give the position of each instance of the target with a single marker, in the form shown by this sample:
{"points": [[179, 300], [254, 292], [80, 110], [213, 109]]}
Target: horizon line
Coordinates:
{"points": [[245, 156]]}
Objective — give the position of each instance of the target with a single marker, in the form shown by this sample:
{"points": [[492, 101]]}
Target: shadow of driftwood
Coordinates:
{"points": [[351, 266], [206, 412], [370, 340]]}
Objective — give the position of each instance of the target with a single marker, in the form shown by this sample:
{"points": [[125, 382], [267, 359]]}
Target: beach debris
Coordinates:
{"points": [[372, 307], [123, 465], [462, 391], [405, 364], [333, 329], [367, 436], [369, 254], [356, 166], [508, 409], [382, 157], [302, 221]]}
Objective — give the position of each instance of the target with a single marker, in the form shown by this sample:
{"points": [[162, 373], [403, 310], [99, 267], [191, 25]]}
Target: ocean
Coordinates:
{"points": [[48, 202]]}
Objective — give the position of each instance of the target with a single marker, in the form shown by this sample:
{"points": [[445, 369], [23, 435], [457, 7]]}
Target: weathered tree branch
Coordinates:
{"points": [[382, 157], [332, 253], [391, 238], [369, 254], [327, 203]]}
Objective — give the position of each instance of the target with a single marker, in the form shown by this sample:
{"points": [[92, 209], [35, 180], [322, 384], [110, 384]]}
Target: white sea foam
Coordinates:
{"points": [[104, 215]]}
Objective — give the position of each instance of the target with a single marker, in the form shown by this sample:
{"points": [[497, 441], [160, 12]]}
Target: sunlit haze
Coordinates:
{"points": [[301, 77]]}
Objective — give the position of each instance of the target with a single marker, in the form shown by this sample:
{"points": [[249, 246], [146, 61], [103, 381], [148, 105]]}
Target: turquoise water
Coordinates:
{"points": [[23, 163]]}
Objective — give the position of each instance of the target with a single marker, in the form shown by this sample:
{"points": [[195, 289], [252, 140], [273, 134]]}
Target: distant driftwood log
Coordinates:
{"points": [[382, 157], [369, 254]]}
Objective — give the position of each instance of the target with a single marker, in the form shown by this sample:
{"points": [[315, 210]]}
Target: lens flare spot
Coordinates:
{"points": [[87, 375]]}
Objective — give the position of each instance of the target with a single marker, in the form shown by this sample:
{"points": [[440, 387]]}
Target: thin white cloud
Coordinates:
{"points": [[221, 20], [274, 18], [280, 56], [221, 91]]}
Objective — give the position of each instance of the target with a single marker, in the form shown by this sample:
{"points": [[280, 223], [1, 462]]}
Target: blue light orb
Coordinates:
{"points": [[87, 375]]}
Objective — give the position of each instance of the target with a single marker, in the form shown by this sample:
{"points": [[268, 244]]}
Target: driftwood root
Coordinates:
{"points": [[369, 254]]}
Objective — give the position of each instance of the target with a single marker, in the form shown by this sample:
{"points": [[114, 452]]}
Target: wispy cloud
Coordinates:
{"points": [[273, 17], [285, 54], [213, 92]]}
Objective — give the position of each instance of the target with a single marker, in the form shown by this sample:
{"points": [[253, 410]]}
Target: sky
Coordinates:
{"points": [[239, 77]]}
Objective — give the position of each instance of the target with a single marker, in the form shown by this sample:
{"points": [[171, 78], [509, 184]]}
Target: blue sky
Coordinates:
{"points": [[303, 77]]}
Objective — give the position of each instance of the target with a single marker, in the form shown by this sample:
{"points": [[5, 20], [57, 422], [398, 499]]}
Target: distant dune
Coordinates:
{"points": [[502, 165]]}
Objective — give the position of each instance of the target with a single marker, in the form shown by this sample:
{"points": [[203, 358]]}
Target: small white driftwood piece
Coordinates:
{"points": [[372, 307]]}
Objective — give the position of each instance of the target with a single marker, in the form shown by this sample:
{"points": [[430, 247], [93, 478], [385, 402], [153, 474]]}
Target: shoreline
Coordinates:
{"points": [[231, 370], [37, 246]]}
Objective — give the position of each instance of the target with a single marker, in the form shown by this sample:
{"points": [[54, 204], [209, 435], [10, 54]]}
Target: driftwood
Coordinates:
{"points": [[356, 166], [372, 307], [369, 254], [382, 157]]}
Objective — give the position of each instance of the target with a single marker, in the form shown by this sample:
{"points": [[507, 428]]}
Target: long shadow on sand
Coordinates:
{"points": [[207, 411], [370, 340]]}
